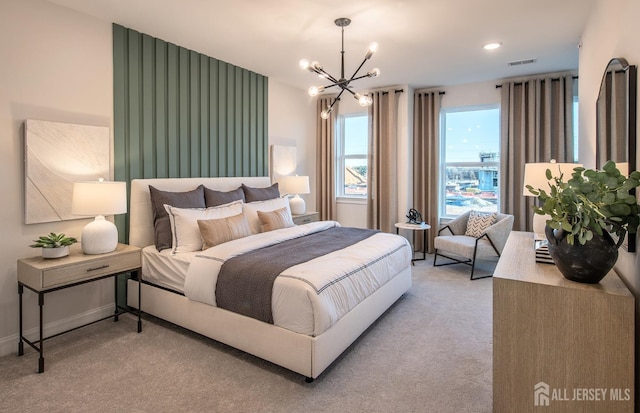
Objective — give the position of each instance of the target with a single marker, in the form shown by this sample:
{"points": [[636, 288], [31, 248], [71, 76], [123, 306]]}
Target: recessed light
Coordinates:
{"points": [[492, 46]]}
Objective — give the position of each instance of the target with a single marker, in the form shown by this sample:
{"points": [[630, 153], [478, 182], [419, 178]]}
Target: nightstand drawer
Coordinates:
{"points": [[306, 218], [88, 270]]}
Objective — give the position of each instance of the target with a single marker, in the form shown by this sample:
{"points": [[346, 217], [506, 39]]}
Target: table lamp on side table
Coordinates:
{"points": [[99, 198], [295, 185], [535, 174]]}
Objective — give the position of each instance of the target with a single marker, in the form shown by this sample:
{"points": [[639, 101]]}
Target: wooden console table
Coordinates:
{"points": [[558, 345]]}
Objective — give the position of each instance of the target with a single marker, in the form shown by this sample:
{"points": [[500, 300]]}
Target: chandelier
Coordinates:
{"points": [[343, 83]]}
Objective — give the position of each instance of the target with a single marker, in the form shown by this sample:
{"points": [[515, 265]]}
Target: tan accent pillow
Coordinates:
{"points": [[218, 231], [276, 219]]}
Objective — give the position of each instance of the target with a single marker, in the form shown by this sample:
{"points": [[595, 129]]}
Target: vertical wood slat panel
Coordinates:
{"points": [[173, 96], [147, 131], [178, 113], [214, 144], [160, 124], [183, 114], [222, 119]]}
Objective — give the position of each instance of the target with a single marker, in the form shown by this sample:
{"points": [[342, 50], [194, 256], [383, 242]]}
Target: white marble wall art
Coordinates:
{"points": [[57, 155]]}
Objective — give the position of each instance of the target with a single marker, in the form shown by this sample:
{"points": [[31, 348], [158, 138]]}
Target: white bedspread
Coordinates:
{"points": [[310, 297]]}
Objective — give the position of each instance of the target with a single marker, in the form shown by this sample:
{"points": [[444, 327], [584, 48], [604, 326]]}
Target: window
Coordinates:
{"points": [[470, 157], [353, 154]]}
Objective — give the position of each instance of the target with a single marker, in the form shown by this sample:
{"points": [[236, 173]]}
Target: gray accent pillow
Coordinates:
{"points": [[260, 194], [214, 198], [161, 223]]}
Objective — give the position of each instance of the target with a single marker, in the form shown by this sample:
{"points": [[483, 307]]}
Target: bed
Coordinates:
{"points": [[307, 350]]}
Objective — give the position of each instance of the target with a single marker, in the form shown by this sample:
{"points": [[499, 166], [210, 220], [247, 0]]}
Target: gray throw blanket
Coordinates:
{"points": [[245, 282]]}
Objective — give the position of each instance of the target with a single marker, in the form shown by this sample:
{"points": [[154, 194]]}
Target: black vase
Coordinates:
{"points": [[588, 263]]}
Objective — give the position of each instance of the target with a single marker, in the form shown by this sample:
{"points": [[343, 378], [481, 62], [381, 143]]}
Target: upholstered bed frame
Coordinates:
{"points": [[306, 355]]}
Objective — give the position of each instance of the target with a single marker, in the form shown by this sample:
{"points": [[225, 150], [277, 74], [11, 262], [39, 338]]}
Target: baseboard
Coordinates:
{"points": [[9, 345]]}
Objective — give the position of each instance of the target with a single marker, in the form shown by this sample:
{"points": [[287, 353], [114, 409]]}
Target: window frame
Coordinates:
{"points": [[341, 159], [442, 202]]}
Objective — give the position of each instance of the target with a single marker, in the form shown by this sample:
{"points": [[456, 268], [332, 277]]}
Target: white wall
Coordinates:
{"points": [[611, 32], [57, 65], [292, 123]]}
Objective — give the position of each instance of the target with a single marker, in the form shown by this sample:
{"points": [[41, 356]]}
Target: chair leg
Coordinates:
{"points": [[473, 266], [435, 255]]}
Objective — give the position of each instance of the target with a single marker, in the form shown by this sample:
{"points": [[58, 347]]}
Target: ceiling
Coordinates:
{"points": [[422, 43]]}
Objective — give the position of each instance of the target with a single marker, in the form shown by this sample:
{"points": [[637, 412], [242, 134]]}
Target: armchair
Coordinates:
{"points": [[464, 249]]}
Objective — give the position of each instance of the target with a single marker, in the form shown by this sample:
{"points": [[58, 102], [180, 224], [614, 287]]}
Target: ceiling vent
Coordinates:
{"points": [[521, 62]]}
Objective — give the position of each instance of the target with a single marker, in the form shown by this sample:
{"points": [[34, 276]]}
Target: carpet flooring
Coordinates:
{"points": [[430, 352]]}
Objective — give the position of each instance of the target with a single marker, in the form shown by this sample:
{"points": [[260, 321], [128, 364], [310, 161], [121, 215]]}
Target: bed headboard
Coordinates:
{"points": [[141, 214]]}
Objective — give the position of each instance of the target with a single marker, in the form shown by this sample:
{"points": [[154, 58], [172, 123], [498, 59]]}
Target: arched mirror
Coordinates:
{"points": [[616, 119]]}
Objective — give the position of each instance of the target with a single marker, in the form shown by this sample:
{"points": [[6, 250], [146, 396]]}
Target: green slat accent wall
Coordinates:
{"points": [[181, 114]]}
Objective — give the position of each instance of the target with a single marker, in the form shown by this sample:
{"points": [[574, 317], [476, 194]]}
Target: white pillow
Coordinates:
{"points": [[185, 233], [251, 209]]}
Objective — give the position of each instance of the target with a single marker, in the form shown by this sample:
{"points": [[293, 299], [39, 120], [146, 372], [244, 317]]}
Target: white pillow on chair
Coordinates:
{"points": [[479, 222]]}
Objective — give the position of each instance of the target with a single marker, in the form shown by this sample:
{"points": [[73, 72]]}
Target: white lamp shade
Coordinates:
{"points": [[535, 174], [99, 198], [294, 185]]}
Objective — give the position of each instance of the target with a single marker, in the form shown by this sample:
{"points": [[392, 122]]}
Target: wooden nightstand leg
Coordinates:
{"points": [[20, 342], [41, 346]]}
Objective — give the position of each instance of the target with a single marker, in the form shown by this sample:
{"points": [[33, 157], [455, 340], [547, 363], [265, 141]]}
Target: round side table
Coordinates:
{"points": [[413, 228]]}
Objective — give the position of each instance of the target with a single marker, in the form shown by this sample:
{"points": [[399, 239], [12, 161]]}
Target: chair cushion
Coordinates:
{"points": [[478, 222], [463, 246]]}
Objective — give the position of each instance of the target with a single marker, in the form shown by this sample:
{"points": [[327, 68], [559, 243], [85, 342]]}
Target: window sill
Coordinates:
{"points": [[349, 200]]}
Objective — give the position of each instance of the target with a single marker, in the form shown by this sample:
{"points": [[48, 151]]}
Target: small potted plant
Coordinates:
{"points": [[582, 213], [54, 245]]}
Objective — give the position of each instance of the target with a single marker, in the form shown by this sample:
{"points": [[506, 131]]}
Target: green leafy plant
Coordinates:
{"points": [[591, 201], [53, 241]]}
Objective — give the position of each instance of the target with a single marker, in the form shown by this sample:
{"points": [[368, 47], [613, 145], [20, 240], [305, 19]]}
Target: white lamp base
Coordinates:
{"points": [[99, 236], [297, 205], [539, 222]]}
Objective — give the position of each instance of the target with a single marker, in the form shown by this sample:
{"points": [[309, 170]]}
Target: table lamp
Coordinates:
{"points": [[99, 198], [295, 185], [535, 174]]}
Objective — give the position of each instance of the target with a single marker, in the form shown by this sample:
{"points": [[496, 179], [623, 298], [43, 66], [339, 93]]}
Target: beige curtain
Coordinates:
{"points": [[326, 160], [382, 194], [426, 160], [536, 126]]}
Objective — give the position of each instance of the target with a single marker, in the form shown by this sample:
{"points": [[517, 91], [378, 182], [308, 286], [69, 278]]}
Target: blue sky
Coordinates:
{"points": [[470, 132]]}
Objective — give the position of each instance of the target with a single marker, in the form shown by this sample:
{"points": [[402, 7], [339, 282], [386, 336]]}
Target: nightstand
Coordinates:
{"points": [[43, 276], [306, 218]]}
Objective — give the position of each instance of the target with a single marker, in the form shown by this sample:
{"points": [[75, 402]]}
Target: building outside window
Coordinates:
{"points": [[353, 155], [470, 160]]}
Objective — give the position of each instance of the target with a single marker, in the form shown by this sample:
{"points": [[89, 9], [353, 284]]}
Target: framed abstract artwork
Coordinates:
{"points": [[57, 155]]}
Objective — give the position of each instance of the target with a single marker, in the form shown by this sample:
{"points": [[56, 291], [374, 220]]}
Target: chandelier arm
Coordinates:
{"points": [[359, 77], [326, 75], [353, 77]]}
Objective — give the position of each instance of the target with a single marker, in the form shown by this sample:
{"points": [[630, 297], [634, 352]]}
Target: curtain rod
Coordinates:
{"points": [[555, 79], [396, 91]]}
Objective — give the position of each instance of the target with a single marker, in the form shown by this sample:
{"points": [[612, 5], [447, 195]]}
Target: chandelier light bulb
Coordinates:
{"points": [[373, 47], [304, 64], [365, 100], [314, 90], [324, 114], [315, 65], [375, 72]]}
